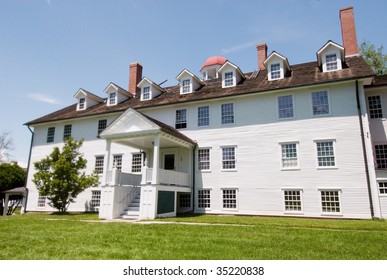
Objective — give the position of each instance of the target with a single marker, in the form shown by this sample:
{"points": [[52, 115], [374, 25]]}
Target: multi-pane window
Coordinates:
{"points": [[101, 126], [383, 187], [81, 104], [285, 107], [136, 162], [117, 162], [375, 107], [204, 198], [186, 86], [181, 118], [330, 201], [99, 163], [230, 199], [275, 71], [228, 79], [228, 113], [95, 199], [381, 156], [204, 159], [112, 98], [292, 200], [325, 153], [185, 200], [320, 103], [289, 155], [50, 134], [42, 201], [331, 61], [146, 93], [228, 158], [203, 116], [67, 131]]}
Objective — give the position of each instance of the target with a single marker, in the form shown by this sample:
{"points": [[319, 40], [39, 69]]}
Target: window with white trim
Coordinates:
{"points": [[325, 153], [99, 163], [81, 104], [184, 200], [204, 159], [375, 107], [330, 201], [181, 118], [228, 158], [102, 124], [117, 162], [186, 87], [203, 116], [95, 199], [331, 62], [50, 134], [204, 199], [227, 113], [381, 156], [112, 98], [228, 79], [145, 93], [229, 199], [292, 200], [285, 107], [320, 103], [383, 187], [136, 162], [289, 155], [275, 71], [42, 201], [67, 131]]}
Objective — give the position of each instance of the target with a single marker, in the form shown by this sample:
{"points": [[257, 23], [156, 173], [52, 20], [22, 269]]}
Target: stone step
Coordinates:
{"points": [[129, 217], [133, 208]]}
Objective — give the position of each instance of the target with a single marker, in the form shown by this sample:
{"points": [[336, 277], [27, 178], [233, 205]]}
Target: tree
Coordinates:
{"points": [[11, 176], [6, 144], [374, 57], [61, 177]]}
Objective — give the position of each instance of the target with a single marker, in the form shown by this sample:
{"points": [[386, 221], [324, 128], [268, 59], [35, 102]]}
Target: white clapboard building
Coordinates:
{"points": [[305, 140]]}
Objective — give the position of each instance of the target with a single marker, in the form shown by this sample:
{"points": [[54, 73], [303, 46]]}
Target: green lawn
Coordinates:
{"points": [[43, 237]]}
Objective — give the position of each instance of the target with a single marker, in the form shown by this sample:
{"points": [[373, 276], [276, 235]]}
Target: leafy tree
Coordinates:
{"points": [[11, 176], [374, 57], [6, 144], [61, 177]]}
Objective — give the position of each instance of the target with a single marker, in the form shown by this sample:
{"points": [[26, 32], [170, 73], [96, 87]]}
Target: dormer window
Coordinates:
{"points": [[81, 104], [146, 93], [331, 60], [112, 98], [275, 71], [186, 86], [228, 79]]}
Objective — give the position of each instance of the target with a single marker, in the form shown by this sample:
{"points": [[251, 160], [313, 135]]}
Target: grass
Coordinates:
{"points": [[81, 236]]}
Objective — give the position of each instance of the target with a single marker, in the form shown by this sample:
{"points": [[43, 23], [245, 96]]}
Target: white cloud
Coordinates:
{"points": [[238, 48], [43, 98]]}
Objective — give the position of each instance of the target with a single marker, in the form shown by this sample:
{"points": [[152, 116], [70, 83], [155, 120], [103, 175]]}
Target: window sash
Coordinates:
{"points": [[228, 79], [325, 154], [285, 107], [186, 86], [67, 131], [229, 199], [204, 198], [136, 163], [181, 118], [50, 134], [204, 159], [382, 187], [227, 113], [146, 93], [82, 102], [292, 200], [275, 71], [95, 199], [331, 62], [330, 201], [117, 162], [102, 124], [204, 116], [320, 103], [42, 201], [185, 200], [375, 107], [99, 164], [112, 98], [228, 158], [381, 156], [289, 155]]}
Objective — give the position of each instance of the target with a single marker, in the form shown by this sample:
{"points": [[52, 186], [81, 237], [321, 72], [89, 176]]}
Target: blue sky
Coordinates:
{"points": [[51, 48]]}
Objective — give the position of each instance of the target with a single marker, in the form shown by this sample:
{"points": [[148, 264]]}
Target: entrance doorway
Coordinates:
{"points": [[169, 161]]}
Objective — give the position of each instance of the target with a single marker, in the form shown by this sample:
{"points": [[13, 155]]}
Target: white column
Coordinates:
{"points": [[6, 205], [107, 155], [23, 205], [156, 160]]}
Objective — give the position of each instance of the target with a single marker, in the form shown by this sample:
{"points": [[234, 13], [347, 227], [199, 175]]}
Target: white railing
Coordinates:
{"points": [[169, 177], [117, 178]]}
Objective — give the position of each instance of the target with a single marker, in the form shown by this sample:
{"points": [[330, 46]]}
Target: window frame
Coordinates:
{"points": [[42, 201], [204, 199], [137, 163], [225, 160], [297, 159], [117, 161], [67, 131], [112, 99], [102, 125], [146, 95], [185, 200], [380, 160], [287, 108], [227, 80], [99, 164], [333, 141], [328, 106], [329, 63], [276, 73], [82, 103], [50, 134], [205, 118], [186, 88], [224, 111], [229, 199], [181, 123], [340, 206], [375, 113], [382, 187], [205, 162], [284, 197], [95, 201]]}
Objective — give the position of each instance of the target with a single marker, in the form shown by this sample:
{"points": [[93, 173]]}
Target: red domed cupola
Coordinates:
{"points": [[211, 65]]}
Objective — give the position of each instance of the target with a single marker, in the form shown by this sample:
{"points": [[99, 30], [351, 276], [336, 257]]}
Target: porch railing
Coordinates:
{"points": [[169, 177], [123, 179]]}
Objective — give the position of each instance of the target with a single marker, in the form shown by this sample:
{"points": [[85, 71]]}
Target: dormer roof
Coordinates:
{"points": [[153, 84], [88, 94], [330, 43], [279, 56], [186, 72], [113, 87], [237, 69]]}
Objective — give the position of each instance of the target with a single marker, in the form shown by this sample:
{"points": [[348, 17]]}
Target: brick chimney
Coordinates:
{"points": [[348, 31], [135, 76], [262, 55]]}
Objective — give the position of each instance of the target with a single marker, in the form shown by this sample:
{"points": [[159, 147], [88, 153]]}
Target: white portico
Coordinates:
{"points": [[167, 163]]}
